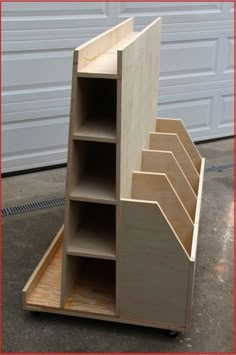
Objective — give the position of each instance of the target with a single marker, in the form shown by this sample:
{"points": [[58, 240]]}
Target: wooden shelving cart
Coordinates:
{"points": [[127, 250]]}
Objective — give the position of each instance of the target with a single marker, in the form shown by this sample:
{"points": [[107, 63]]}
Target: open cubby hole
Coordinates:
{"points": [[96, 119], [93, 175], [92, 230], [94, 285]]}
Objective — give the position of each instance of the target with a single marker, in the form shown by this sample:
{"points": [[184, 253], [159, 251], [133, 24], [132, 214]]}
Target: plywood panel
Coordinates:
{"points": [[91, 50], [176, 126], [153, 274], [157, 187], [138, 65], [171, 142], [157, 161]]}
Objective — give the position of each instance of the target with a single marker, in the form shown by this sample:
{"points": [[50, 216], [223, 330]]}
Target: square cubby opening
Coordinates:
{"points": [[97, 100], [92, 230], [93, 172]]}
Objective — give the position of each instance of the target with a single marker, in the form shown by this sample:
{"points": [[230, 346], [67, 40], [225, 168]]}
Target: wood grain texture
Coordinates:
{"points": [[47, 290], [167, 125], [157, 187], [138, 65], [42, 266], [90, 51], [157, 161], [94, 289], [171, 142], [105, 66], [154, 268], [71, 177]]}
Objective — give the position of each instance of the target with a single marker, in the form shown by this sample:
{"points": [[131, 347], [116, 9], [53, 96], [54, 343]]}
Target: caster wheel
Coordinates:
{"points": [[172, 333]]}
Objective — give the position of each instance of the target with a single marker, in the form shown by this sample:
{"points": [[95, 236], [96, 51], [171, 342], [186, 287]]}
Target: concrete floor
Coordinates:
{"points": [[26, 237]]}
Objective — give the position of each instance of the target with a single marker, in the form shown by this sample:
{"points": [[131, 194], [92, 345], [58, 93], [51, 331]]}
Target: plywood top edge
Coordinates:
{"points": [[145, 29], [110, 30], [168, 119]]}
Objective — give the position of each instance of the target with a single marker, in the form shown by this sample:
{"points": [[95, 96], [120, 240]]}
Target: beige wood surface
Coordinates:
{"points": [[91, 50], [92, 230], [47, 291], [153, 274], [97, 130], [157, 187], [157, 161], [105, 66], [94, 289], [42, 266], [45, 295], [171, 142], [95, 189], [138, 65], [167, 125]]}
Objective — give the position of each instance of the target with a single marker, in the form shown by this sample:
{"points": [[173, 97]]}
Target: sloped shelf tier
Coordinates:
{"points": [[97, 129], [92, 230], [94, 169], [105, 66], [94, 288]]}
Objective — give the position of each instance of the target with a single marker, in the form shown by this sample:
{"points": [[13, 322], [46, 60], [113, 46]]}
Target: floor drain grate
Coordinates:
{"points": [[28, 207]]}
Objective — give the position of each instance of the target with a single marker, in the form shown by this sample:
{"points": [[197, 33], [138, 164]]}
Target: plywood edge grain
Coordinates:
{"points": [[171, 141], [41, 267], [158, 207], [103, 317], [91, 50], [171, 125], [198, 211]]}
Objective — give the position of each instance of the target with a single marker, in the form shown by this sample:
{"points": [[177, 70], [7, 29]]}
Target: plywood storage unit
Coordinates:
{"points": [[127, 250]]}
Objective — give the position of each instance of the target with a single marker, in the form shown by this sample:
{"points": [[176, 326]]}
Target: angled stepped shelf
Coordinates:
{"points": [[127, 249]]}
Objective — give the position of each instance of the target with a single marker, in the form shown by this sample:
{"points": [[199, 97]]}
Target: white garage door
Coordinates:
{"points": [[196, 82]]}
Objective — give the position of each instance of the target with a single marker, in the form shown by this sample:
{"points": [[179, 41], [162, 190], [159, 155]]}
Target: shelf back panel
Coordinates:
{"points": [[138, 66]]}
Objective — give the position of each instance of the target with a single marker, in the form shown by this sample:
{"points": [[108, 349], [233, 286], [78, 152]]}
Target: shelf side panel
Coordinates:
{"points": [[167, 125], [91, 50], [153, 267], [138, 66], [157, 187], [157, 161], [171, 142]]}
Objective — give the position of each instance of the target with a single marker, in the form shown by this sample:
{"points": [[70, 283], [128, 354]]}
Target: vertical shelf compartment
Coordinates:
{"points": [[93, 172], [92, 230], [96, 119], [94, 287]]}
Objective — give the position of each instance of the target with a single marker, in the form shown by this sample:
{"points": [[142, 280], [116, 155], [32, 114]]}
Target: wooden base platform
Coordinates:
{"points": [[90, 298]]}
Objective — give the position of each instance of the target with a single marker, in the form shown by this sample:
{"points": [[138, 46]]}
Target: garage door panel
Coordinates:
{"points": [[32, 139], [38, 109], [174, 12], [204, 116], [35, 69], [38, 16], [196, 81], [225, 120]]}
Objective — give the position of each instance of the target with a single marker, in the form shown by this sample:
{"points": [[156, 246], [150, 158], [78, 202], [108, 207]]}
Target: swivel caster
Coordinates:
{"points": [[173, 333]]}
